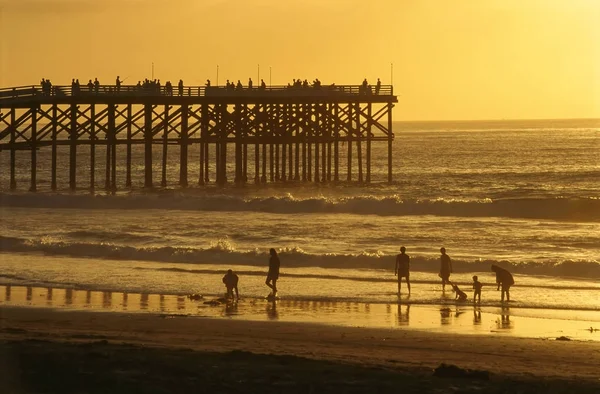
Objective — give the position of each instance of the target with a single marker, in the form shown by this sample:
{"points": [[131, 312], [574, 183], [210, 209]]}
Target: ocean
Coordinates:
{"points": [[521, 194]]}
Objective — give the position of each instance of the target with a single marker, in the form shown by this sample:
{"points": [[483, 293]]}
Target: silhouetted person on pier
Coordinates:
{"points": [[96, 85], [208, 83], [273, 273], [445, 268], [118, 84], [249, 83], [263, 85], [476, 289], [504, 279], [46, 87], [378, 86], [364, 86], [180, 87], [231, 283], [402, 269], [73, 87], [78, 85], [90, 86], [239, 85]]}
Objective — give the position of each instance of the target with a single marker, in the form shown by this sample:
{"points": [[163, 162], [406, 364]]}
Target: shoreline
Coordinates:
{"points": [[445, 318], [405, 354]]}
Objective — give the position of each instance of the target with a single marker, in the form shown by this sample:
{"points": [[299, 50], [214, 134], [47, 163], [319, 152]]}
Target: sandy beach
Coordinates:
{"points": [[47, 350]]}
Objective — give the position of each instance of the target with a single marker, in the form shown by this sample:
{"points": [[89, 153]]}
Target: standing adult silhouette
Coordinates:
{"points": [[445, 268]]}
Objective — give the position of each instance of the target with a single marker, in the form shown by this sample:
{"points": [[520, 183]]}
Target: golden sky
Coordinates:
{"points": [[452, 59]]}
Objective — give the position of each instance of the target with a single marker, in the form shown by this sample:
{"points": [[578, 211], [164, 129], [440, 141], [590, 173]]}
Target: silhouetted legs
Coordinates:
{"points": [[505, 289], [272, 283], [400, 284]]}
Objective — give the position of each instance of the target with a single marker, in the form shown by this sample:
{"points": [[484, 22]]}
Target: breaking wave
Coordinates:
{"points": [[223, 252], [575, 209]]}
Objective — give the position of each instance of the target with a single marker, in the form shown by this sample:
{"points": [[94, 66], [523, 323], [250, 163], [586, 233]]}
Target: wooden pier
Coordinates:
{"points": [[279, 133]]}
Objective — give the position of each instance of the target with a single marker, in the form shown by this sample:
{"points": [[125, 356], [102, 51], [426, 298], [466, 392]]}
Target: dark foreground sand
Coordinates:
{"points": [[46, 351]]}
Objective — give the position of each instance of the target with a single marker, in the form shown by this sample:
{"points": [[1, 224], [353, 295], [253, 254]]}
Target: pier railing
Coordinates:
{"points": [[58, 91]]}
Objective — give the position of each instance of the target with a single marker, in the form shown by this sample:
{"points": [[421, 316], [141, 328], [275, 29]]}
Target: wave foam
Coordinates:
{"points": [[222, 252]]}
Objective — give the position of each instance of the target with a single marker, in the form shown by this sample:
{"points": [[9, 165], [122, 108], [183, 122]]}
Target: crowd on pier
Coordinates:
{"points": [[154, 86]]}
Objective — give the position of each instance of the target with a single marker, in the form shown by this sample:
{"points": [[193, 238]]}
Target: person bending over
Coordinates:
{"points": [[231, 283], [505, 280]]}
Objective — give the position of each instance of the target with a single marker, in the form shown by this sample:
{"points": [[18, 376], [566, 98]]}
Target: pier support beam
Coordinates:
{"points": [[390, 139], [92, 147], [369, 121], [336, 144], [111, 150], [203, 144], [350, 133], [54, 137], [359, 132], [34, 111], [183, 152], [165, 146], [239, 155], [13, 153], [128, 152], [148, 145], [73, 148]]}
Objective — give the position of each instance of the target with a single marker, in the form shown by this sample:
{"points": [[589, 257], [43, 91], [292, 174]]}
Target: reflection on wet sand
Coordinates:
{"points": [[504, 322], [476, 316], [272, 310], [403, 317], [231, 308], [8, 292], [425, 317]]}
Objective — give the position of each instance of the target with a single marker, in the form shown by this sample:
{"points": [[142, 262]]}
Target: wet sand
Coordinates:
{"points": [[47, 350]]}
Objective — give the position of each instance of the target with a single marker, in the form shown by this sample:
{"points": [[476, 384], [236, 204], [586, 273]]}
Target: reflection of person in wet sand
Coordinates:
{"points": [[231, 283], [273, 274], [460, 295], [504, 321], [445, 268], [476, 315], [403, 318], [402, 269], [445, 315], [504, 279], [272, 310]]}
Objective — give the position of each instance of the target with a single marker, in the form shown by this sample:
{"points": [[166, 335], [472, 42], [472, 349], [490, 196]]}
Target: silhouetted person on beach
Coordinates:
{"points": [[476, 289], [231, 283], [273, 274], [460, 295], [445, 268], [402, 269], [504, 279]]}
